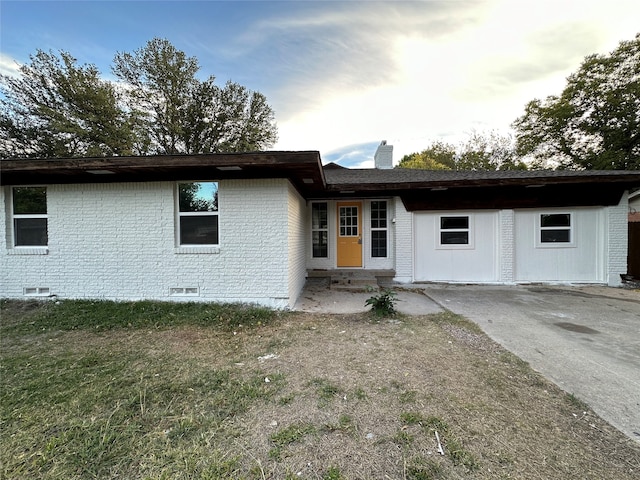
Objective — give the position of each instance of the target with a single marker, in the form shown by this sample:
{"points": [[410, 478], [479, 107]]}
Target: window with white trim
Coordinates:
{"points": [[198, 214], [555, 229], [455, 231], [319, 230], [29, 216], [379, 228]]}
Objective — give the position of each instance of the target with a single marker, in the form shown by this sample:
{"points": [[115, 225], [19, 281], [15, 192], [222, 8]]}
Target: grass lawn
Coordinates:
{"points": [[189, 391]]}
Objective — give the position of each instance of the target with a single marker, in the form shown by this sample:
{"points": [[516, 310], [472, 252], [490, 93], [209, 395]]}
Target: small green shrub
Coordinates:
{"points": [[384, 303]]}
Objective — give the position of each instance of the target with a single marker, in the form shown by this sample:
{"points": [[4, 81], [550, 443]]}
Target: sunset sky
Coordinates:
{"points": [[344, 75]]}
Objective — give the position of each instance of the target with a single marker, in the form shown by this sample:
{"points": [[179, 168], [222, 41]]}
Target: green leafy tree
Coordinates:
{"points": [[488, 151], [438, 156], [56, 108], [481, 151], [182, 114], [595, 122]]}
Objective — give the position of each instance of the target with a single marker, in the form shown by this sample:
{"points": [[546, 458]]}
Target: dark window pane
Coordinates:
{"points": [[555, 220], [29, 200], [198, 197], [319, 215], [378, 214], [30, 232], [454, 238], [379, 243], [320, 248], [199, 230], [448, 223], [555, 236]]}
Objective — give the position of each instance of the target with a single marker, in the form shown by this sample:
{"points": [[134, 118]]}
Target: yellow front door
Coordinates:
{"points": [[349, 234]]}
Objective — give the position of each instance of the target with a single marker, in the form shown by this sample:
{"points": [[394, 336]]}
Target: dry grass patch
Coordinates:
{"points": [[295, 396]]}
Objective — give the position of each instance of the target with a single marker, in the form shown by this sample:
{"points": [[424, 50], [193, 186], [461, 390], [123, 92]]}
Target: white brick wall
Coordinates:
{"points": [[117, 241], [403, 229], [506, 225], [617, 241], [297, 244]]}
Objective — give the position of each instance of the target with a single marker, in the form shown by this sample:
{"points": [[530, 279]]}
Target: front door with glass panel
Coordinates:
{"points": [[349, 234]]}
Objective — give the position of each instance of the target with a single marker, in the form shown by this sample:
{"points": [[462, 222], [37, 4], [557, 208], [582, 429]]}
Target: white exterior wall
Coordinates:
{"points": [[475, 262], [506, 219], [297, 229], [617, 241], [118, 241], [598, 253], [404, 243], [583, 260]]}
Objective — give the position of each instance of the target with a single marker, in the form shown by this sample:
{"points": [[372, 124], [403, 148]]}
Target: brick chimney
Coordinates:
{"points": [[383, 158]]}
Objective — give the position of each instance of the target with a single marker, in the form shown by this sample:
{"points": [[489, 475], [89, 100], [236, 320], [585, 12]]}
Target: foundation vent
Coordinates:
{"points": [[36, 291], [184, 292]]}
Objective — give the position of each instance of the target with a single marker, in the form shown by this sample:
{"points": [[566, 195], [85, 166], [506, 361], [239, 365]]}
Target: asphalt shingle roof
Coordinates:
{"points": [[405, 176]]}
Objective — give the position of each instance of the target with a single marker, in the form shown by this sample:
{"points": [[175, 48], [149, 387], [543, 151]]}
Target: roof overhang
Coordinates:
{"points": [[418, 189], [423, 190], [303, 169]]}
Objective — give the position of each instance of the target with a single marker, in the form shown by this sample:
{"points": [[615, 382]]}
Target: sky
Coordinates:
{"points": [[342, 76]]}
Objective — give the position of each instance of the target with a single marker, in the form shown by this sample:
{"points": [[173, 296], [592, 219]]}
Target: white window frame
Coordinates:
{"points": [[186, 247], [539, 229], [318, 229], [18, 216], [470, 245], [384, 229]]}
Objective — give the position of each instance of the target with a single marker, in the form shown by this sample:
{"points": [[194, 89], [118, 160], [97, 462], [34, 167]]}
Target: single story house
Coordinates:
{"points": [[250, 227]]}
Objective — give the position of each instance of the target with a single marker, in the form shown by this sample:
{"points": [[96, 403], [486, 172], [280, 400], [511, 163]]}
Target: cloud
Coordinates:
{"points": [[353, 156], [438, 70], [9, 66], [322, 49]]}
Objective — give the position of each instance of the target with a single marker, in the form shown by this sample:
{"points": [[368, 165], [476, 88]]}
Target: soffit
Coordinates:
{"points": [[303, 169]]}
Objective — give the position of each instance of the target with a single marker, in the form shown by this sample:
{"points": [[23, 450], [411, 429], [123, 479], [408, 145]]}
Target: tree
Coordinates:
{"points": [[58, 109], [595, 122], [438, 156], [489, 151], [481, 151], [185, 115]]}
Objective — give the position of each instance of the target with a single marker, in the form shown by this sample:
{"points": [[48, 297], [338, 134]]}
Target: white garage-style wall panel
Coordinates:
{"points": [[475, 261], [581, 259]]}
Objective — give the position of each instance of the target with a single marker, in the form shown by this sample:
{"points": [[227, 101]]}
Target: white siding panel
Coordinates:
{"points": [[474, 263], [580, 261]]}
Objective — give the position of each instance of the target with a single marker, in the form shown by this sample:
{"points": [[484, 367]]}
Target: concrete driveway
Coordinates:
{"points": [[586, 339]]}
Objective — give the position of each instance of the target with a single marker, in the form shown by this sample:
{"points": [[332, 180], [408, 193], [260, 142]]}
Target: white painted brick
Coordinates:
{"points": [[297, 243], [118, 241], [617, 241], [404, 243], [506, 226]]}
